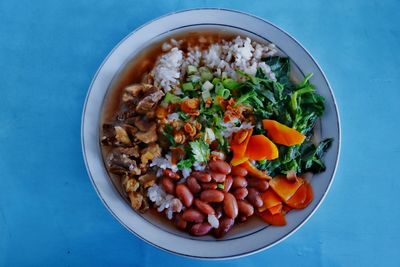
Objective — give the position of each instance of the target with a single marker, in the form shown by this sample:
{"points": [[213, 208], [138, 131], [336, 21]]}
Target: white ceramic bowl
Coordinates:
{"points": [[255, 235]]}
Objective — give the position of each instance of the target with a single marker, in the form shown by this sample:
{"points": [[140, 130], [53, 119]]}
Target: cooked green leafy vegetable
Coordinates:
{"points": [[297, 106]]}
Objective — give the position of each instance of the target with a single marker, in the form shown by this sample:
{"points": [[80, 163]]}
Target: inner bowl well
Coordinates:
{"points": [[142, 61]]}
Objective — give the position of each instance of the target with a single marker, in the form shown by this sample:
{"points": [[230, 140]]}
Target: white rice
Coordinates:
{"points": [[163, 201], [167, 70], [223, 57], [197, 166], [213, 221], [164, 163]]}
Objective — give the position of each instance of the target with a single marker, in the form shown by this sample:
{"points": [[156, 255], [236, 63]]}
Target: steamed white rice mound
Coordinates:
{"points": [[222, 57]]}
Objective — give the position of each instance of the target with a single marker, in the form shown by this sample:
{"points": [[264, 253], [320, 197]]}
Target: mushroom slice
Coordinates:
{"points": [[147, 180], [122, 136], [148, 136], [152, 151], [149, 102], [119, 163], [136, 199], [132, 91], [130, 184], [131, 152], [142, 123]]}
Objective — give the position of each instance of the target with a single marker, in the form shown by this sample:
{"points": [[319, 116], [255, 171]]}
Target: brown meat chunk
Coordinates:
{"points": [[147, 180], [120, 163], [142, 123], [149, 102], [150, 152], [148, 136], [136, 199]]}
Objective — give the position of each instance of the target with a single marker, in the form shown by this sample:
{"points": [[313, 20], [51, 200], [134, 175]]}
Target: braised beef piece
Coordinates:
{"points": [[149, 102], [133, 137], [120, 163]]}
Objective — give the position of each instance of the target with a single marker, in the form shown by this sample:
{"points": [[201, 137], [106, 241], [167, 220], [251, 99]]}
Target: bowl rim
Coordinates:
{"points": [[336, 111]]}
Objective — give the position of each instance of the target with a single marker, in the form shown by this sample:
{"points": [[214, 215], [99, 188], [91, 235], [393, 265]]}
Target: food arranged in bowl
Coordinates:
{"points": [[213, 131]]}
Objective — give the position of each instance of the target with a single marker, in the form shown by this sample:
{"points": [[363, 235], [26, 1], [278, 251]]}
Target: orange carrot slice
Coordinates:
{"points": [[270, 199], [260, 147], [239, 145], [297, 200], [276, 209], [285, 188], [309, 195], [254, 172], [273, 219], [282, 134]]}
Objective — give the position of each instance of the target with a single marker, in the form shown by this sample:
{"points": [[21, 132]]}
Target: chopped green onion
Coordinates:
{"points": [[191, 69], [220, 90], [171, 98], [221, 186], [205, 74], [194, 78], [205, 95], [207, 86], [187, 87], [230, 84], [215, 81]]}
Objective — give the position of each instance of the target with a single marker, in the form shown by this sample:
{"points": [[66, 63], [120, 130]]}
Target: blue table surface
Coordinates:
{"points": [[49, 211]]}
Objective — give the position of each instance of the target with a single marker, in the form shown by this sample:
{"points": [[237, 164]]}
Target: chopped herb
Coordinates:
{"points": [[200, 150], [183, 116], [221, 186], [185, 163], [169, 134]]}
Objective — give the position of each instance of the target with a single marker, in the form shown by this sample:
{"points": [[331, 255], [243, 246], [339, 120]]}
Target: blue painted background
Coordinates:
{"points": [[51, 215]]}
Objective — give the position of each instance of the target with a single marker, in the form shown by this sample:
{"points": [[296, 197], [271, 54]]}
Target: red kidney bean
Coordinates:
{"points": [[245, 208], [212, 195], [184, 194], [218, 211], [239, 181], [193, 215], [225, 224], [200, 229], [170, 174], [241, 218], [239, 171], [203, 207], [168, 185], [259, 184], [193, 185], [254, 198], [240, 193], [228, 183], [179, 222], [203, 177], [230, 206], [219, 166], [209, 186], [218, 177]]}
